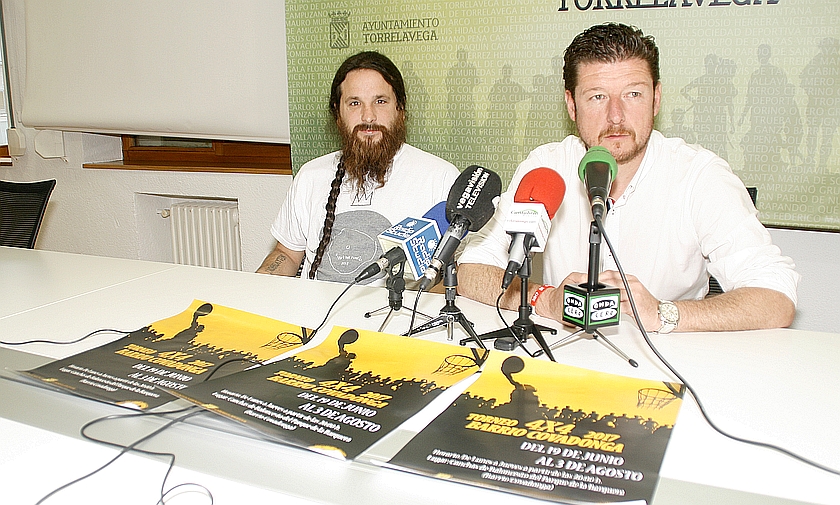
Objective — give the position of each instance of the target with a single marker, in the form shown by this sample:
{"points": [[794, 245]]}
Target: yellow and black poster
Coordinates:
{"points": [[550, 431], [173, 354], [341, 396]]}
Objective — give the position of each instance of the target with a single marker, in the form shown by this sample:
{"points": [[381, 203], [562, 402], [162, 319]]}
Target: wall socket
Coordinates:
{"points": [[17, 142]]}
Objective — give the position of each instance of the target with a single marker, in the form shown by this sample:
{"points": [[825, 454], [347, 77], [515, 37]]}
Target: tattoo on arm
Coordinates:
{"points": [[278, 261]]}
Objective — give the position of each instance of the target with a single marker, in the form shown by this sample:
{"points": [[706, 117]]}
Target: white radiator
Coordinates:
{"points": [[206, 234]]}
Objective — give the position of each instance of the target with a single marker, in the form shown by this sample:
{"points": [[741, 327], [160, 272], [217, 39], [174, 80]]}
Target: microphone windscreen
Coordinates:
{"points": [[438, 215], [542, 185], [598, 154], [474, 196]]}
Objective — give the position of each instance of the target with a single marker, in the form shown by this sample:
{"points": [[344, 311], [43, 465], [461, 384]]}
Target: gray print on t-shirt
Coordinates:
{"points": [[353, 246]]}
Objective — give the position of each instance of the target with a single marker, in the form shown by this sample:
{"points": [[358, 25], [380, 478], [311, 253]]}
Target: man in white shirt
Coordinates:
{"points": [[340, 202], [677, 213]]}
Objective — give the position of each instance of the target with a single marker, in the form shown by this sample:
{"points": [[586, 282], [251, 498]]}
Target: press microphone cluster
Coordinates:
{"points": [[470, 204], [597, 170], [412, 240], [535, 202]]}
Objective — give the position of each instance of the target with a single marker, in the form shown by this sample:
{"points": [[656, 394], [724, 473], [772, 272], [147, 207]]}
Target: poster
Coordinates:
{"points": [[172, 354], [341, 396], [550, 431]]}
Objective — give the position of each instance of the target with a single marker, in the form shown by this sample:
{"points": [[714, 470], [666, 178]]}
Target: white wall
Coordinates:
{"points": [[816, 257], [93, 211]]}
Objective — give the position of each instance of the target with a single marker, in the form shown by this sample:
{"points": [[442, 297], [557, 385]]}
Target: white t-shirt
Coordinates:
{"points": [[416, 182], [685, 215]]}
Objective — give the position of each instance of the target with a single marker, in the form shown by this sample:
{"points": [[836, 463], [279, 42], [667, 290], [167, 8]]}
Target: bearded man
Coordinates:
{"points": [[340, 202]]}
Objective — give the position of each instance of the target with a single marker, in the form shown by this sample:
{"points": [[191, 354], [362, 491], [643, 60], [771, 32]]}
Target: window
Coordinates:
{"points": [[4, 103]]}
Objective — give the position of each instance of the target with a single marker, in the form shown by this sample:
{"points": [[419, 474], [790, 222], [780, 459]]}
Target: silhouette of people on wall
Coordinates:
{"points": [[820, 80], [774, 117], [712, 98], [546, 119], [679, 128], [501, 118]]}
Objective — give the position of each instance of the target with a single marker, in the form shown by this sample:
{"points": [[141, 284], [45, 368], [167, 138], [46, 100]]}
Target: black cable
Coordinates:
{"points": [[41, 341], [133, 446], [499, 312], [510, 329], [685, 382], [327, 315], [414, 312], [190, 411], [232, 360]]}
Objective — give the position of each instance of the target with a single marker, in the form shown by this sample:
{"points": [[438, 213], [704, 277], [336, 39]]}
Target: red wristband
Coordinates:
{"points": [[537, 293]]}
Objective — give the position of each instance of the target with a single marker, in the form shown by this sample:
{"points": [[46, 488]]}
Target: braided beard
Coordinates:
{"points": [[369, 160]]}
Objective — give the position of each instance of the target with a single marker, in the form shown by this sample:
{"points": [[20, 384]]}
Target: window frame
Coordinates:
{"points": [[223, 156]]}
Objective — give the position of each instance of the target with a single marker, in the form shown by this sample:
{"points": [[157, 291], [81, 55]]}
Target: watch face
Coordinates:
{"points": [[669, 312]]}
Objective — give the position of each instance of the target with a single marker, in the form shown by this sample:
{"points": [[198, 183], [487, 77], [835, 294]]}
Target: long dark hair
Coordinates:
{"points": [[373, 61], [335, 188], [365, 60]]}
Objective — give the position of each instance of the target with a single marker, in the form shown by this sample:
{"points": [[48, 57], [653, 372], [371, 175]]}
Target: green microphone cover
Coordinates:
{"points": [[598, 154]]}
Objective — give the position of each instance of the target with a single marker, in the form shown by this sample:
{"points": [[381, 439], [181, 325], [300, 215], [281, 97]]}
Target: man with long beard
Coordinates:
{"points": [[339, 203], [676, 212]]}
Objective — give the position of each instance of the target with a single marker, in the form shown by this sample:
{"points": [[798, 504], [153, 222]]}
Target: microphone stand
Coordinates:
{"points": [[395, 282], [585, 293], [450, 313], [508, 338]]}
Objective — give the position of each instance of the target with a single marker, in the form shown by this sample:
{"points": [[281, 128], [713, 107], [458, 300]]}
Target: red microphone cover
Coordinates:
{"points": [[542, 185]]}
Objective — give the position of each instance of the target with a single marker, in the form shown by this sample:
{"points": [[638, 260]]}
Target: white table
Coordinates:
{"points": [[31, 279], [775, 386]]}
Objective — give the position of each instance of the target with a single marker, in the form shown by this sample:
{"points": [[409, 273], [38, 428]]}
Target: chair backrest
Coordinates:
{"points": [[22, 206]]}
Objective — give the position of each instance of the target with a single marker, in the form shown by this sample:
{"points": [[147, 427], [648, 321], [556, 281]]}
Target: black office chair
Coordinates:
{"points": [[714, 285], [22, 206]]}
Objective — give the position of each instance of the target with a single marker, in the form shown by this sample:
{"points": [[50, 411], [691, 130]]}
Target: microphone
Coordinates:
{"points": [[591, 305], [470, 204], [412, 240], [535, 202], [393, 256], [597, 170]]}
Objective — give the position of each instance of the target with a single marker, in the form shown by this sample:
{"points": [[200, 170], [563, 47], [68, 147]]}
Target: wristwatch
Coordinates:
{"points": [[669, 316]]}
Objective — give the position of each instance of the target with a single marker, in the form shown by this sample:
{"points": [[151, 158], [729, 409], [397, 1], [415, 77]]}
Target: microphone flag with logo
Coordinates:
{"points": [[535, 202], [412, 240], [417, 237]]}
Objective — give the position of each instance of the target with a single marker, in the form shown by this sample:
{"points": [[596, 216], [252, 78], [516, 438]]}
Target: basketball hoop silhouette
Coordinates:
{"points": [[656, 398], [455, 364], [284, 340], [458, 363]]}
